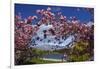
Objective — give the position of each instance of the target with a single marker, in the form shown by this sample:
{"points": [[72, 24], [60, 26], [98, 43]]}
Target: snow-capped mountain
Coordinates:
{"points": [[48, 42]]}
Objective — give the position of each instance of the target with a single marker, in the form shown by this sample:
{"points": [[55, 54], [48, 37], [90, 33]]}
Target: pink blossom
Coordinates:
{"points": [[48, 9], [38, 11]]}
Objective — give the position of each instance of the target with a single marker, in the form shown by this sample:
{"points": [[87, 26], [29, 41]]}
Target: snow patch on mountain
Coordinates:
{"points": [[50, 43]]}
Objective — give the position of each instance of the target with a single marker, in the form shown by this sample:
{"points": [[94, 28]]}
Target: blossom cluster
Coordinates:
{"points": [[25, 29]]}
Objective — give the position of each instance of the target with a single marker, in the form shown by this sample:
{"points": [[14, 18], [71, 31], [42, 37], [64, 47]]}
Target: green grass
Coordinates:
{"points": [[41, 61]]}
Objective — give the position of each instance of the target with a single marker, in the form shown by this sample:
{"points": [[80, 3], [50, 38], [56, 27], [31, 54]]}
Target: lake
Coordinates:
{"points": [[53, 57]]}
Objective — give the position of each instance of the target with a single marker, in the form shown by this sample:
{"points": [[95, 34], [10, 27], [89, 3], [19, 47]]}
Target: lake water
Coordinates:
{"points": [[53, 56]]}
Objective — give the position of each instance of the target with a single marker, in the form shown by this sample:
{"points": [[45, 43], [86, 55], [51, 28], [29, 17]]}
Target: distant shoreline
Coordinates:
{"points": [[50, 59]]}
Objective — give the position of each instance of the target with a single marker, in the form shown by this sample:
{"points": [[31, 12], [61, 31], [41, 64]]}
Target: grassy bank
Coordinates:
{"points": [[41, 61]]}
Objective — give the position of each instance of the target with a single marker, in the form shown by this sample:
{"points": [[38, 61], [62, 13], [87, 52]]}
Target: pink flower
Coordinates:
{"points": [[48, 9], [34, 17], [38, 11], [59, 13], [61, 17]]}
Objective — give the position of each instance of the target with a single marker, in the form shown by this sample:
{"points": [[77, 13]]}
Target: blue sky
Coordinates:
{"points": [[30, 10]]}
